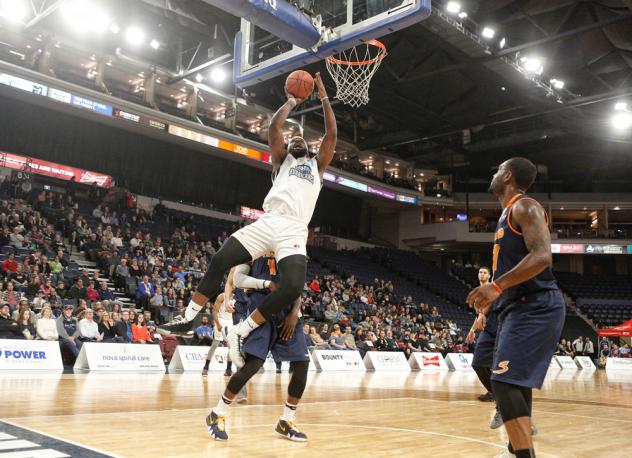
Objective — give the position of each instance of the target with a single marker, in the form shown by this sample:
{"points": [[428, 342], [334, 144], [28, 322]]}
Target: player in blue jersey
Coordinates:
{"points": [[525, 295], [484, 347], [282, 335]]}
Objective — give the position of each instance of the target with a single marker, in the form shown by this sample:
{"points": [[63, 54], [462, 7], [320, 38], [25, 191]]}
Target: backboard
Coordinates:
{"points": [[342, 24]]}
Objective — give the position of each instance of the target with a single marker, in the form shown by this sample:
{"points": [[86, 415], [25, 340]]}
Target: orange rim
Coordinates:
{"points": [[382, 54]]}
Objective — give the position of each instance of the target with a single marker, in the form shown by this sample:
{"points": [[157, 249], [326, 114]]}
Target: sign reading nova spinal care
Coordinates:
{"points": [[192, 358], [30, 355], [386, 361], [566, 362], [425, 361], [584, 362], [459, 361], [338, 360], [116, 357]]}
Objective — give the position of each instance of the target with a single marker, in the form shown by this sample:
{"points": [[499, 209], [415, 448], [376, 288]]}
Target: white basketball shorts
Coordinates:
{"points": [[284, 235]]}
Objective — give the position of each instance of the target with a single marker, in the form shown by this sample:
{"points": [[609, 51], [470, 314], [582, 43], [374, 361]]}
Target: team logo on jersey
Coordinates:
{"points": [[303, 171], [504, 367]]}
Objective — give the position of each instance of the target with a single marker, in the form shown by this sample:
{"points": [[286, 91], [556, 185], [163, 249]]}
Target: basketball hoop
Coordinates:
{"points": [[353, 69]]}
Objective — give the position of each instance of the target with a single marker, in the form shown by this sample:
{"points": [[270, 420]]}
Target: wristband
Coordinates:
{"points": [[266, 284], [324, 98], [498, 288]]}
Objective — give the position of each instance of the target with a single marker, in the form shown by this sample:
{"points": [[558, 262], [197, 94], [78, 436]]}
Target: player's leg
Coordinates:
{"points": [[294, 350], [209, 356], [293, 270], [216, 420], [515, 412], [286, 425]]}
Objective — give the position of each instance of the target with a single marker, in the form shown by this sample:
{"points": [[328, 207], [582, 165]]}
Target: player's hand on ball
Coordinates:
{"points": [[296, 100], [482, 297], [320, 87], [288, 326]]}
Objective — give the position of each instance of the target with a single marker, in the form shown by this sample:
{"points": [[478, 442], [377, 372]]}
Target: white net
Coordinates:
{"points": [[353, 69]]}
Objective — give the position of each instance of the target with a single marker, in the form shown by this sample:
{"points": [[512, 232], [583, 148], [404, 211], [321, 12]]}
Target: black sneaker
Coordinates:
{"points": [[289, 430], [487, 397], [216, 425], [176, 326]]}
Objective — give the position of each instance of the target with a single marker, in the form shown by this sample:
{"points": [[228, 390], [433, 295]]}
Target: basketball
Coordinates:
{"points": [[300, 84]]}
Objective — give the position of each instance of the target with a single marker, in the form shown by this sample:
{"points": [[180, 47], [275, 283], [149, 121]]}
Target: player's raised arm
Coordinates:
{"points": [[276, 140], [328, 145]]}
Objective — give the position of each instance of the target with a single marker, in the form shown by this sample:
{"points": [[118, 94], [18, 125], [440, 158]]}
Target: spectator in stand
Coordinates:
{"points": [[324, 332], [47, 326], [349, 339], [107, 330], [88, 328], [317, 340], [123, 328], [39, 301], [381, 343], [144, 292], [9, 329], [16, 239], [624, 351], [68, 329], [10, 296], [105, 293], [10, 264], [336, 340], [589, 349], [157, 304], [26, 326], [122, 273], [614, 353], [140, 333], [78, 291], [315, 286], [203, 334], [22, 305], [91, 293], [578, 346], [330, 313], [562, 349]]}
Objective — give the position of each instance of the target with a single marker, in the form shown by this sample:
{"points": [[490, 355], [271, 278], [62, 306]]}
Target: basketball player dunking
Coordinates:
{"points": [[282, 336], [289, 205], [527, 299]]}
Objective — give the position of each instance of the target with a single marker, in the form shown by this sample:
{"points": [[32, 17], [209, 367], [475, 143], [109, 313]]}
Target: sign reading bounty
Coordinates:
{"points": [[338, 360]]}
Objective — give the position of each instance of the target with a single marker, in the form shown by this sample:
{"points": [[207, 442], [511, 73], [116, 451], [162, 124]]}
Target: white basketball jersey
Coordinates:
{"points": [[223, 314], [295, 189]]}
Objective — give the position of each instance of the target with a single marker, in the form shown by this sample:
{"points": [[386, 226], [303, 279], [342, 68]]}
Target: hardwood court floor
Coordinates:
{"points": [[584, 414]]}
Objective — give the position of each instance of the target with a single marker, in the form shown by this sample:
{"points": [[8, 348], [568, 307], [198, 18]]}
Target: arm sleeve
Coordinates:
{"points": [[241, 278]]}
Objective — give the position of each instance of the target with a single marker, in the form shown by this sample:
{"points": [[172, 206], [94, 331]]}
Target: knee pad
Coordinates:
{"points": [[299, 378], [241, 377], [510, 401]]}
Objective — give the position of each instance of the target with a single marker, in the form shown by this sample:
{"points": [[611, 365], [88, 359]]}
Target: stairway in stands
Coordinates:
{"points": [[91, 267]]}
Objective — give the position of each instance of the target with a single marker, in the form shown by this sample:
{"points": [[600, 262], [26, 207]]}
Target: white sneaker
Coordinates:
{"points": [[496, 421], [234, 347], [242, 396], [505, 454]]}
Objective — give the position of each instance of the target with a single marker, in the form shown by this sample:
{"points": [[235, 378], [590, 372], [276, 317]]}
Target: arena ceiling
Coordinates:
{"points": [[441, 99]]}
